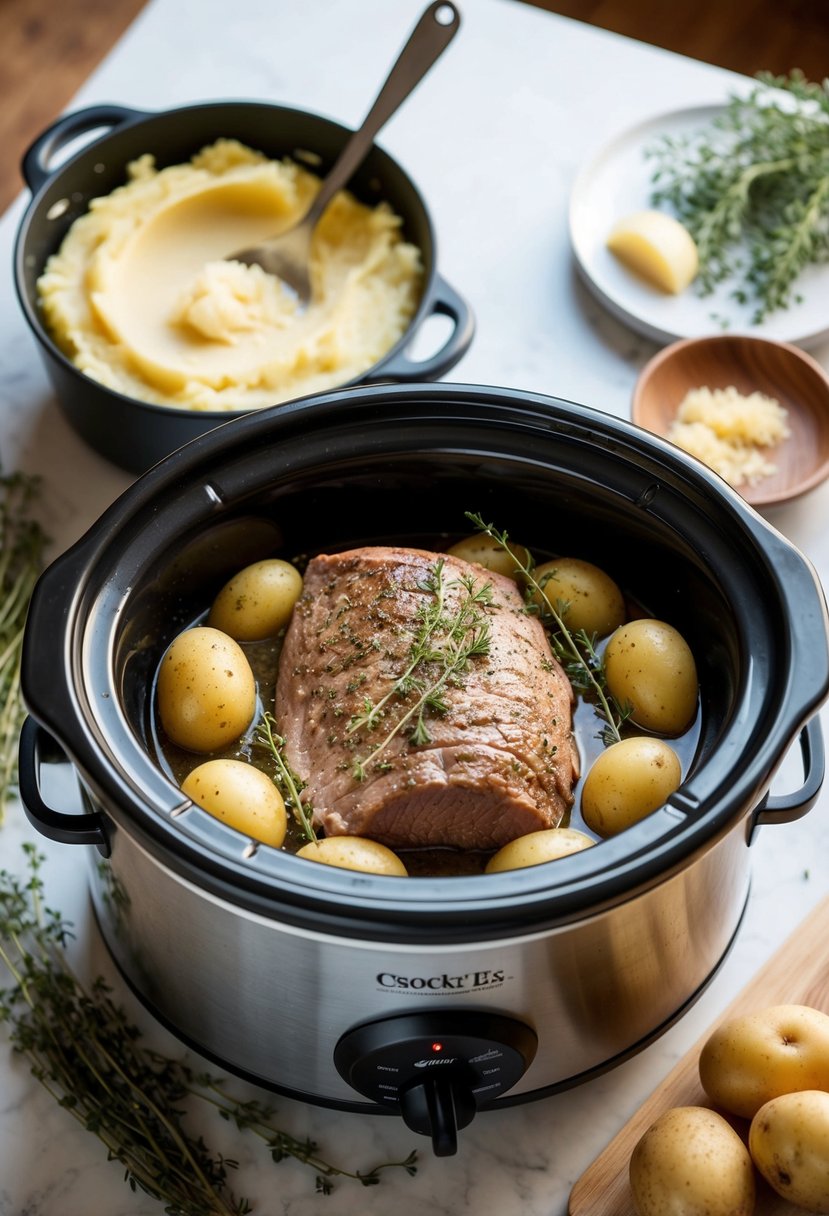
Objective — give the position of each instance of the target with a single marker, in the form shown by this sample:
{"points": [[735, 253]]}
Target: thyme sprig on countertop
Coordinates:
{"points": [[445, 641], [90, 1058], [257, 1117], [290, 785], [22, 546], [575, 651], [753, 189]]}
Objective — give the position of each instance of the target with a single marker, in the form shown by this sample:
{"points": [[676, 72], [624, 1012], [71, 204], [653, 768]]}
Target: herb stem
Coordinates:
{"points": [[441, 649], [88, 1057], [254, 1117], [751, 187], [566, 642], [267, 737], [22, 545]]}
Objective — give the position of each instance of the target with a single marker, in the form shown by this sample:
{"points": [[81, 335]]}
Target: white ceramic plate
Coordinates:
{"points": [[616, 182]]}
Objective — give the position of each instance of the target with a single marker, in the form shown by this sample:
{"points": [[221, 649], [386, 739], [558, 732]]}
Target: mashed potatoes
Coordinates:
{"points": [[139, 295]]}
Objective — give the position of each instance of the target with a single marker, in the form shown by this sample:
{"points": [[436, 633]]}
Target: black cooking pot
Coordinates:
{"points": [[135, 434], [514, 973]]}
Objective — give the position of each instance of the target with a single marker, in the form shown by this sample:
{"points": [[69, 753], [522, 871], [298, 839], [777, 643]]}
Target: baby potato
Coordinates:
{"points": [[353, 853], [649, 664], [690, 1162], [206, 690], [485, 551], [258, 601], [240, 795], [789, 1143], [749, 1060], [537, 847], [628, 781], [594, 602]]}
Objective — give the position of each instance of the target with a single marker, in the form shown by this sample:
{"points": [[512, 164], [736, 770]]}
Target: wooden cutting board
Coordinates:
{"points": [[798, 974]]}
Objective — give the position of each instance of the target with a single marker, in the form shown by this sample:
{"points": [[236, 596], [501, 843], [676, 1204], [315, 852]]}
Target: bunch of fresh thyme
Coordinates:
{"points": [[22, 545], [753, 189], [450, 631], [90, 1058], [576, 651]]}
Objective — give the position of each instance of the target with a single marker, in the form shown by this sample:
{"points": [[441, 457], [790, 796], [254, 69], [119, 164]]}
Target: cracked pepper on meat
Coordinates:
{"points": [[501, 760]]}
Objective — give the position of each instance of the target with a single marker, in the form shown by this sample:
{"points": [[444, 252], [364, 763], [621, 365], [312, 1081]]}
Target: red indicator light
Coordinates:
{"points": [[437, 1047]]}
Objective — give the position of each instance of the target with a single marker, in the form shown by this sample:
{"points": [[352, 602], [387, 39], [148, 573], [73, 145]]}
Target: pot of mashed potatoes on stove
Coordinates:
{"points": [[152, 334]]}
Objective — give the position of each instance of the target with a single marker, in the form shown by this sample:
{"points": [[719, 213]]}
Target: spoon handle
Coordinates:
{"points": [[429, 38]]}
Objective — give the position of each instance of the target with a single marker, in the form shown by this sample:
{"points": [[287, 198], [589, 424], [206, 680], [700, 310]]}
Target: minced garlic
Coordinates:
{"points": [[727, 430]]}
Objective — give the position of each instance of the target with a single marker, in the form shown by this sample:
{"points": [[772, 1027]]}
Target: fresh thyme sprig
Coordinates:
{"points": [[22, 545], [90, 1058], [446, 640], [290, 785], [575, 651], [257, 1117], [753, 189]]}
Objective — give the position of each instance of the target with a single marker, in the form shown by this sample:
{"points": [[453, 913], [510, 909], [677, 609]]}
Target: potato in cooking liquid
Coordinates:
{"points": [[628, 781], [538, 847], [485, 551], [649, 665], [353, 853], [206, 690], [241, 796], [593, 601], [258, 601]]}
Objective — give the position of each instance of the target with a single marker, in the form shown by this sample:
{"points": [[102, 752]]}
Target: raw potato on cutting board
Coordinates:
{"points": [[797, 974]]}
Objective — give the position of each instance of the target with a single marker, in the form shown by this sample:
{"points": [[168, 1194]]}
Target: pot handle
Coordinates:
{"points": [[446, 303], [785, 808], [36, 165], [61, 826]]}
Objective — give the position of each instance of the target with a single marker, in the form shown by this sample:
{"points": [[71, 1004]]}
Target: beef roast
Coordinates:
{"points": [[495, 760]]}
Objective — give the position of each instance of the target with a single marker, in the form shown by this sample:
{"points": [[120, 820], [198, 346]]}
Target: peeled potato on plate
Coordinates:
{"points": [[656, 247]]}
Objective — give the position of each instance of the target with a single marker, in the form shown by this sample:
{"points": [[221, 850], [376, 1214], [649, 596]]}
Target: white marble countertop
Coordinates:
{"points": [[493, 140]]}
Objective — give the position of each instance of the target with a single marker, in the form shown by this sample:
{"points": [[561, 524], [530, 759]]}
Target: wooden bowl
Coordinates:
{"points": [[748, 364]]}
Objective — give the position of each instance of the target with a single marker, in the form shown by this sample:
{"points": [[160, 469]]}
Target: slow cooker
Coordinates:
{"points": [[429, 997]]}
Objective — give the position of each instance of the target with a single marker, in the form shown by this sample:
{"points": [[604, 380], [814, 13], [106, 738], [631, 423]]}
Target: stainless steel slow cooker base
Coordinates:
{"points": [[510, 1098], [273, 1000]]}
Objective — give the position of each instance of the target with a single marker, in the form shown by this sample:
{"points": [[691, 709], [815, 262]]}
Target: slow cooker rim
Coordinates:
{"points": [[28, 305], [521, 891]]}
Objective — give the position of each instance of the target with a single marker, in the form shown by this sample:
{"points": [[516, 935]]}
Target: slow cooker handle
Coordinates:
{"points": [[36, 165], [61, 826], [446, 302], [785, 808]]}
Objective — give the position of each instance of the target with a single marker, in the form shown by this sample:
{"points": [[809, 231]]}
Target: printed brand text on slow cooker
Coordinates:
{"points": [[472, 979]]}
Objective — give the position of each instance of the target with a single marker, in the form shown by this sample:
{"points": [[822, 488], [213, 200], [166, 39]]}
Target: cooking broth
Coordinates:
{"points": [[263, 657]]}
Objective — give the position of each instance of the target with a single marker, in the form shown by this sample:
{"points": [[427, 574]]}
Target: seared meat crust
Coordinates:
{"points": [[500, 761]]}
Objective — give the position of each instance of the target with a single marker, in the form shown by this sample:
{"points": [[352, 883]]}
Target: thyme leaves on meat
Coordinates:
{"points": [[289, 784], [575, 650], [85, 1052], [22, 546], [753, 189], [447, 637]]}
